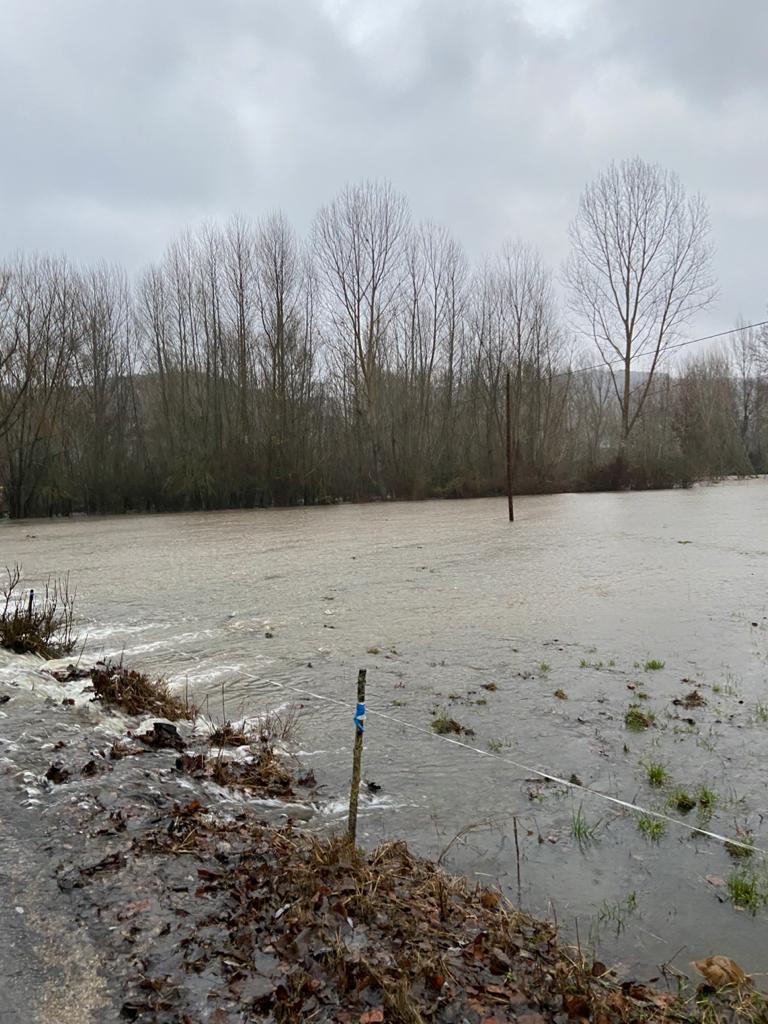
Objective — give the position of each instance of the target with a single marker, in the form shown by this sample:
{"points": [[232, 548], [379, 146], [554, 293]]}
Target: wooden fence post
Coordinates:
{"points": [[357, 757], [509, 450]]}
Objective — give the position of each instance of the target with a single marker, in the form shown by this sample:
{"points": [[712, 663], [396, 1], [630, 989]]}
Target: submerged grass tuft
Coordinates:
{"points": [[497, 745], [681, 800], [650, 827], [444, 725], [706, 798], [742, 847], [656, 773], [636, 719], [747, 889], [581, 829], [654, 665]]}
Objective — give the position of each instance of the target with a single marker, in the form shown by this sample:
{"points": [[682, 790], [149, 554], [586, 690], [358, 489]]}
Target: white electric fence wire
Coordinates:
{"points": [[548, 776]]}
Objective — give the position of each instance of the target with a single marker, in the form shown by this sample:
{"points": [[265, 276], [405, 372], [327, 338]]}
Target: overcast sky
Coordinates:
{"points": [[125, 120]]}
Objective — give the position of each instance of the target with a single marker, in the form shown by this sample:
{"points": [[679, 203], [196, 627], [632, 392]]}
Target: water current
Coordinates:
{"points": [[248, 610]]}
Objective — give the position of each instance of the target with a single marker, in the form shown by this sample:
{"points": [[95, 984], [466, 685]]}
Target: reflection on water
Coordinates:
{"points": [[576, 596]]}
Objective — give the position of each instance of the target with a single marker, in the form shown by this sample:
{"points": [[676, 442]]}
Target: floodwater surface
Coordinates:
{"points": [[586, 606]]}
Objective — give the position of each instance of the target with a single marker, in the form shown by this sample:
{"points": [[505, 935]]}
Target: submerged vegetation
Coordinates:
{"points": [[635, 719], [444, 725], [706, 798], [681, 800], [656, 773], [276, 726], [650, 826], [748, 889], [582, 830]]}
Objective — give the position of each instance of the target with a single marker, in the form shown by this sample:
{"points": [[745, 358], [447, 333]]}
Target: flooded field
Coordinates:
{"points": [[571, 642]]}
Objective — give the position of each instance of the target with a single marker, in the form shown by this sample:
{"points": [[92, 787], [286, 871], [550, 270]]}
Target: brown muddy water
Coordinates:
{"points": [[437, 600]]}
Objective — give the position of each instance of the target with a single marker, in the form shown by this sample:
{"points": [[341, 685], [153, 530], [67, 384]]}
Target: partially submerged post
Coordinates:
{"points": [[31, 603], [357, 757], [509, 449]]}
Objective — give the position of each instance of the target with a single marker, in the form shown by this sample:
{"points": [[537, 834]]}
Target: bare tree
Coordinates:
{"points": [[42, 317], [286, 356], [428, 326], [358, 244], [249, 367], [640, 267]]}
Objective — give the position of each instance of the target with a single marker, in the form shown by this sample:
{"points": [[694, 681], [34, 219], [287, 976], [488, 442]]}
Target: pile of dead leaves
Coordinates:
{"points": [[264, 774], [306, 929]]}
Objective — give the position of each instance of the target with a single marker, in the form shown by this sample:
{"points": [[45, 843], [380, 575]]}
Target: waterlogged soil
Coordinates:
{"points": [[538, 636], [92, 880]]}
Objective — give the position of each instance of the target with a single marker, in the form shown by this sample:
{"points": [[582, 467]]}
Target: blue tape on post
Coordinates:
{"points": [[360, 717]]}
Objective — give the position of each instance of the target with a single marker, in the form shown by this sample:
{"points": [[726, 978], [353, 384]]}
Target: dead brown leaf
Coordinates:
{"points": [[576, 1005], [720, 971]]}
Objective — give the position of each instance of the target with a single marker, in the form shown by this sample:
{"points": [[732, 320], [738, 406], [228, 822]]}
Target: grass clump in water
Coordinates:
{"points": [[656, 773], [745, 889], [651, 827], [444, 725], [229, 734], [636, 719], [544, 667], [581, 829], [497, 745], [654, 665], [37, 625], [277, 726], [137, 694], [761, 712], [681, 800], [706, 798], [742, 847]]}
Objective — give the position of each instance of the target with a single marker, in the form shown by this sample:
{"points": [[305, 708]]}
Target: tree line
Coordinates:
{"points": [[369, 360]]}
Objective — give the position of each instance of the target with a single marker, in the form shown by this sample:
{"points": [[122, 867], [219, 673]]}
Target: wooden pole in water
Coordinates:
{"points": [[357, 756], [31, 603], [509, 450]]}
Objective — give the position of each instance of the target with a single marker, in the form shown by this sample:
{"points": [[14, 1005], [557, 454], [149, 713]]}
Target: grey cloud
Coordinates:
{"points": [[711, 49], [124, 122]]}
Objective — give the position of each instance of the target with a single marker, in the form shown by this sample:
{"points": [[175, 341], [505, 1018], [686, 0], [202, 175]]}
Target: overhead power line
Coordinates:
{"points": [[668, 348]]}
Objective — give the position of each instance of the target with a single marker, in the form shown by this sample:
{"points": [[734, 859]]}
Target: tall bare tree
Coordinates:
{"points": [[358, 244], [42, 317], [639, 269]]}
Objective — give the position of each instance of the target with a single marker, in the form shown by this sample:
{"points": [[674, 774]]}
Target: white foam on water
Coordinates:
{"points": [[105, 631], [341, 806], [207, 675]]}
